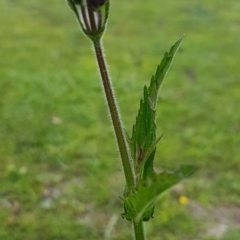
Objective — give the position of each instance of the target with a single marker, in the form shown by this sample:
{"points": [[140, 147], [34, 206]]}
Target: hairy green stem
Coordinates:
{"points": [[139, 230], [119, 132], [115, 116]]}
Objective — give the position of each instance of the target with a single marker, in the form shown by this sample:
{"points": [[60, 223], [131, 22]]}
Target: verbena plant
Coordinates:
{"points": [[137, 151]]}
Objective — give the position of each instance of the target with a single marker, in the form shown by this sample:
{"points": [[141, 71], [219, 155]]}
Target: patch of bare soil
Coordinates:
{"points": [[218, 219]]}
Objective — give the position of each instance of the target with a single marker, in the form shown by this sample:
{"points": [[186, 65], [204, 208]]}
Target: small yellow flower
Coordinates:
{"points": [[183, 200]]}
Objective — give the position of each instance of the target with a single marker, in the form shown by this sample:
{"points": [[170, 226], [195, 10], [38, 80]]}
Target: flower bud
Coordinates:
{"points": [[92, 16], [95, 4]]}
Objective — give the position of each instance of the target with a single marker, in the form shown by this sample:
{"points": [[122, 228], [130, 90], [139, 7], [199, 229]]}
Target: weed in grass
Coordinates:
{"points": [[137, 152], [46, 70]]}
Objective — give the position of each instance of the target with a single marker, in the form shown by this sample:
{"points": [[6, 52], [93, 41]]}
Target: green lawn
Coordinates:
{"points": [[60, 173]]}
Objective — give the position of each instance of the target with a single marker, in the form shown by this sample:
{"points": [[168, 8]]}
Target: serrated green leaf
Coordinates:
{"points": [[186, 171], [140, 203], [150, 150], [144, 129]]}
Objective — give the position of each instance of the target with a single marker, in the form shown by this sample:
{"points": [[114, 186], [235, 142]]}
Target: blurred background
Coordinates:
{"points": [[60, 173]]}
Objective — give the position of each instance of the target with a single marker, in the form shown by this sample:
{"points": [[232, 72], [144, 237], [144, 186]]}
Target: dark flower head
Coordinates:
{"points": [[96, 4]]}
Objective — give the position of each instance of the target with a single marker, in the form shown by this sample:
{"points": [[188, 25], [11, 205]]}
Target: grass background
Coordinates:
{"points": [[60, 175]]}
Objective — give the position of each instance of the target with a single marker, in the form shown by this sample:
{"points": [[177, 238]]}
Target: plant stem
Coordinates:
{"points": [[115, 116], [139, 230], [119, 131]]}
